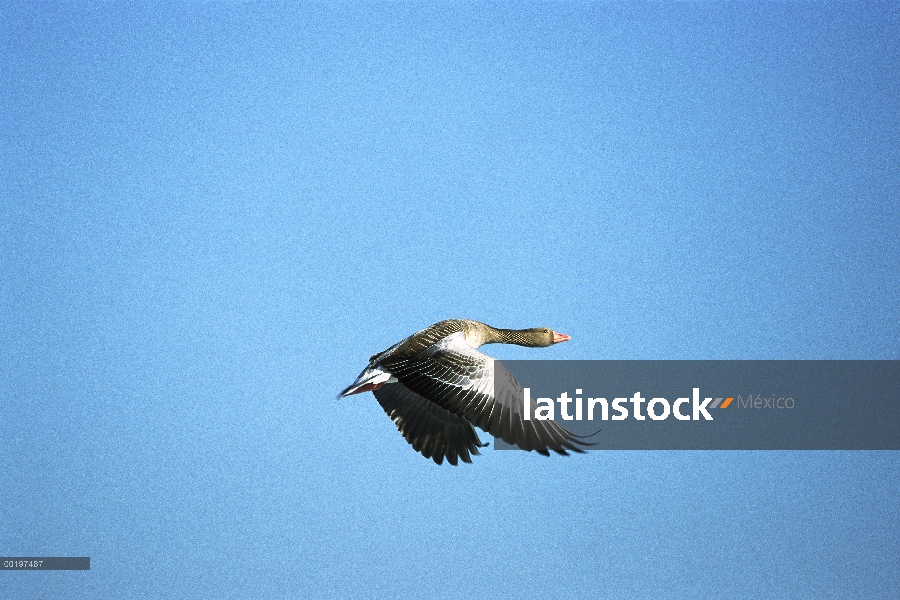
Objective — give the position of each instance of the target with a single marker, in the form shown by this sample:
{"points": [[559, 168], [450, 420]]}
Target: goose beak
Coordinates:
{"points": [[560, 337]]}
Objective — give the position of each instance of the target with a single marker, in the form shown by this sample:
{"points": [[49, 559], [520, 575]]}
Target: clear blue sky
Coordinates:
{"points": [[212, 214]]}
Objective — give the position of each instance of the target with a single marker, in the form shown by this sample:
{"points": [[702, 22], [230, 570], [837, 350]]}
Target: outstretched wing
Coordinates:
{"points": [[479, 389], [428, 428]]}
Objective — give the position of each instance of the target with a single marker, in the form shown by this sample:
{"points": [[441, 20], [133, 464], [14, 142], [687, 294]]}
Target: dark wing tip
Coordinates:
{"points": [[431, 430]]}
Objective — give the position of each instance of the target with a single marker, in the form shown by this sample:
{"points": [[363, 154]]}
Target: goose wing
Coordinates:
{"points": [[429, 429], [477, 388]]}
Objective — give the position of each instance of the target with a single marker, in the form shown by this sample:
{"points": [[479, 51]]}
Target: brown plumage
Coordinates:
{"points": [[435, 386]]}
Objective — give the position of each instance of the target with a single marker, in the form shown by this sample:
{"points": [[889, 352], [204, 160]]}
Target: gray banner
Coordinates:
{"points": [[45, 563], [719, 405]]}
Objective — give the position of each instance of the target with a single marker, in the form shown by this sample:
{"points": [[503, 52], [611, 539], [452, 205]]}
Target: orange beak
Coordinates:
{"points": [[560, 337]]}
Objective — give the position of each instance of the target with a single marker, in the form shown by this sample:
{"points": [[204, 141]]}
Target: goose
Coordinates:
{"points": [[435, 386]]}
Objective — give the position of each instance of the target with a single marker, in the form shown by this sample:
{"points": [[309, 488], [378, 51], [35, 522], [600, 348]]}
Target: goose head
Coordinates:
{"points": [[536, 337]]}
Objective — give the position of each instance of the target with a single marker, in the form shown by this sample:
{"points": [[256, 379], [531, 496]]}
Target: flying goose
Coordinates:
{"points": [[435, 386]]}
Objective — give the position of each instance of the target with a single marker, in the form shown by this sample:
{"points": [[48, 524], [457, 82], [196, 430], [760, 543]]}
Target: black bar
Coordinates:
{"points": [[45, 563]]}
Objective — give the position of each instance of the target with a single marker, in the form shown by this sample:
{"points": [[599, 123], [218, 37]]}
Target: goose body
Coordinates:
{"points": [[435, 385]]}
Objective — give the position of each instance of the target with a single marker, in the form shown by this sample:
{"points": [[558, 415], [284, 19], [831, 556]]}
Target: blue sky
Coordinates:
{"points": [[212, 214]]}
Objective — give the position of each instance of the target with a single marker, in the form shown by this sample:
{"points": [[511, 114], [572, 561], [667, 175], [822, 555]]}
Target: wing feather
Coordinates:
{"points": [[429, 429]]}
